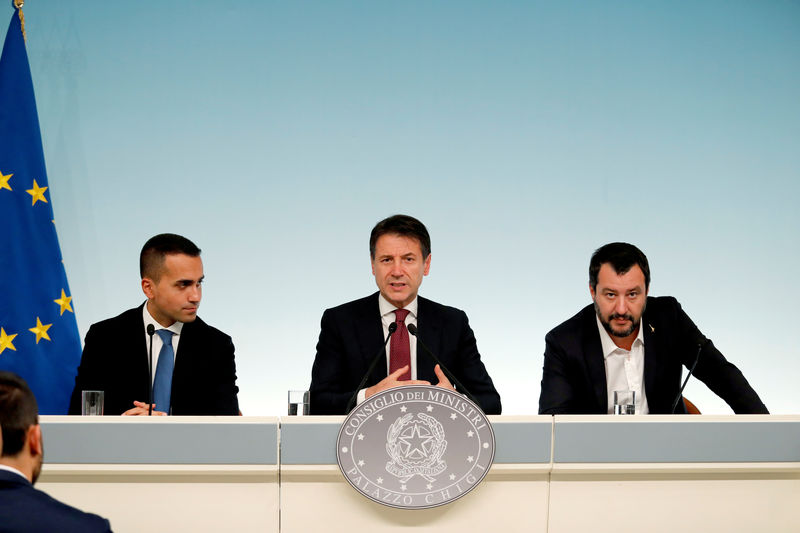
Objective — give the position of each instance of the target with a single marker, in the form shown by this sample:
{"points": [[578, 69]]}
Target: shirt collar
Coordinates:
{"points": [[12, 469], [386, 307], [148, 319], [608, 344]]}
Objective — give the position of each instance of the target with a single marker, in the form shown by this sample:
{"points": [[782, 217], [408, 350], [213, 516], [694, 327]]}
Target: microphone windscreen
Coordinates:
{"points": [[151, 329], [392, 327], [412, 329]]}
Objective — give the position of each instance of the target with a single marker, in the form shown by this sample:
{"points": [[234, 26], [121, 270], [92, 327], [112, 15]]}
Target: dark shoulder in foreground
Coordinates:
{"points": [[31, 510]]}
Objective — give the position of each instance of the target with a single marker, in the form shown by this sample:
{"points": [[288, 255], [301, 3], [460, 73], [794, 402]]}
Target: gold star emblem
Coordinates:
{"points": [[5, 341], [37, 193], [40, 330], [64, 302], [4, 181]]}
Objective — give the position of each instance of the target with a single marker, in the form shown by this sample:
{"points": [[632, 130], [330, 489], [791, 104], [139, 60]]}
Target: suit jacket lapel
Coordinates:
{"points": [[369, 332], [186, 340], [650, 363], [139, 346], [429, 326], [593, 358]]}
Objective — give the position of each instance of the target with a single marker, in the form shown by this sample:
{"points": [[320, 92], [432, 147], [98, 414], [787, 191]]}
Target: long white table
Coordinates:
{"points": [[551, 474]]}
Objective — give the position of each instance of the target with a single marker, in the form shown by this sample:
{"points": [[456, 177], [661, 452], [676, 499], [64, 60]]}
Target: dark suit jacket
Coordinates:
{"points": [[352, 334], [25, 509], [115, 360], [574, 375]]}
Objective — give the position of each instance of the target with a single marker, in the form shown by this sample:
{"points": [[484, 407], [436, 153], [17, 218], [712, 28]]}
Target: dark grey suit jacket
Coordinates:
{"points": [[115, 360], [352, 334], [25, 509], [574, 375]]}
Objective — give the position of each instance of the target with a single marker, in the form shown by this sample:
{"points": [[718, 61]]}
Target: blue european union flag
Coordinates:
{"points": [[38, 333]]}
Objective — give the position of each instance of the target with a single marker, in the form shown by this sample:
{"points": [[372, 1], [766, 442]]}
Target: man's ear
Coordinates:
{"points": [[147, 287], [34, 440]]}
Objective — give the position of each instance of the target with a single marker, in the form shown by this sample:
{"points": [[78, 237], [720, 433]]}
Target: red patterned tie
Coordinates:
{"points": [[399, 349]]}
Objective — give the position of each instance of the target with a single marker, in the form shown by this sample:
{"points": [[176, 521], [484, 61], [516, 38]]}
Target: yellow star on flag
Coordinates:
{"points": [[4, 181], [64, 302], [5, 341], [40, 330], [37, 193]]}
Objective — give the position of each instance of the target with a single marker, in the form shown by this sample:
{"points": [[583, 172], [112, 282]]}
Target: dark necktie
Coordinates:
{"points": [[399, 349], [162, 385]]}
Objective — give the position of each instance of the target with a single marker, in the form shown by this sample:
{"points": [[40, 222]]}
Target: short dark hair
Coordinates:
{"points": [[154, 251], [18, 412], [621, 256], [401, 225]]}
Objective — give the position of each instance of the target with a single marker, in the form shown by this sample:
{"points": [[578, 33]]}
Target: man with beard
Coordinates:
{"points": [[22, 507], [627, 340]]}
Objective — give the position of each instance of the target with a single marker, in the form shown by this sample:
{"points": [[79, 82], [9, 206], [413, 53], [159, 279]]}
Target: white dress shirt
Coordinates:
{"points": [[387, 317], [624, 369], [157, 343]]}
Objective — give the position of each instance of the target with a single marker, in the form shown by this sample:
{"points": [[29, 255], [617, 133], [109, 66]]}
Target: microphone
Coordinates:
{"points": [[412, 328], [151, 329], [700, 346], [382, 351]]}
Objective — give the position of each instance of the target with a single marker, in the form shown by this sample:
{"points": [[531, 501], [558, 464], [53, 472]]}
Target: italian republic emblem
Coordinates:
{"points": [[415, 447]]}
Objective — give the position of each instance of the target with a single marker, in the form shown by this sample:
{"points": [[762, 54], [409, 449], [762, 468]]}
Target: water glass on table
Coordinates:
{"points": [[624, 402]]}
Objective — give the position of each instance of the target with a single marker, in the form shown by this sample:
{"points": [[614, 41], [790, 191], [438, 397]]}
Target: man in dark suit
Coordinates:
{"points": [[352, 334], [629, 341], [193, 363], [22, 507]]}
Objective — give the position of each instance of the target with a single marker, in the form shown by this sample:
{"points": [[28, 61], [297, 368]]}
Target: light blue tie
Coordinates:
{"points": [[162, 386]]}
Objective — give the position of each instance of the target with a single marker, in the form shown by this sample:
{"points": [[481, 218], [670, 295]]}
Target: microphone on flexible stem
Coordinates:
{"points": [[413, 330], [700, 346], [150, 331], [382, 351]]}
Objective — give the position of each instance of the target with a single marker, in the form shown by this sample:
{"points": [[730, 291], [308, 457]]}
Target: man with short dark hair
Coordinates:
{"points": [[194, 371], [22, 507], [629, 341], [352, 334]]}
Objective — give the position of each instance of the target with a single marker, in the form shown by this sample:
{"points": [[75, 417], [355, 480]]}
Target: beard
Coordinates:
{"points": [[613, 316], [37, 468]]}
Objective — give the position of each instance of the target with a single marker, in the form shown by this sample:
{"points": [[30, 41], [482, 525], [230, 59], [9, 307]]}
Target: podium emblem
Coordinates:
{"points": [[415, 447]]}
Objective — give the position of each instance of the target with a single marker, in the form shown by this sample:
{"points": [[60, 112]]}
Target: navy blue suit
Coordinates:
{"points": [[25, 509], [351, 335], [115, 358], [574, 374]]}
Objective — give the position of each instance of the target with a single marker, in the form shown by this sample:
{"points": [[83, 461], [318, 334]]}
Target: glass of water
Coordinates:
{"points": [[624, 402], [299, 404], [92, 402]]}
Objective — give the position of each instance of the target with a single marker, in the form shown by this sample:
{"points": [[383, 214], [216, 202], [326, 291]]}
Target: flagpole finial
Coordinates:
{"points": [[18, 5]]}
